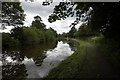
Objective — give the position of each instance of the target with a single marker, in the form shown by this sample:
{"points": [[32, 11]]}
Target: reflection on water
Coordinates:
{"points": [[10, 72], [12, 66], [37, 50], [33, 61], [54, 57]]}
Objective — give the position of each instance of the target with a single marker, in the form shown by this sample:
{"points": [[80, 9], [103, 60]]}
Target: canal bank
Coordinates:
{"points": [[86, 62], [70, 67]]}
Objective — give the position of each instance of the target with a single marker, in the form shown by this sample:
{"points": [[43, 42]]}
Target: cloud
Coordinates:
{"points": [[61, 26], [36, 8], [7, 30]]}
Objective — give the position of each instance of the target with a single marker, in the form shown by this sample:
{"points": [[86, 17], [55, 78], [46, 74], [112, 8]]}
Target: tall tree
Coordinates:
{"points": [[38, 23], [55, 33], [101, 17], [12, 13], [71, 32], [83, 31]]}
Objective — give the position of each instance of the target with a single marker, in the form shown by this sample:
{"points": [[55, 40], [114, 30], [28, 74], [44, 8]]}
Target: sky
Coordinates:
{"points": [[35, 8], [32, 9], [6, 30]]}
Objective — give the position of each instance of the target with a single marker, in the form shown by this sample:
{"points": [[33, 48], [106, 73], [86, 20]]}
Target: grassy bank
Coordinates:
{"points": [[71, 66]]}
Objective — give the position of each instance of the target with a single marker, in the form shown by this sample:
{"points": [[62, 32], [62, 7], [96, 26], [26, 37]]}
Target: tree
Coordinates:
{"points": [[55, 33], [101, 17], [3, 27], [12, 13], [17, 33], [38, 23], [49, 35], [38, 18], [9, 42], [30, 36], [71, 32], [83, 31], [68, 9], [47, 2]]}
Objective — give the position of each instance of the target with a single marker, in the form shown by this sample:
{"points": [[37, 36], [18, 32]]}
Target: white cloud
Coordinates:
{"points": [[36, 8], [32, 9], [78, 25], [61, 26], [7, 30]]}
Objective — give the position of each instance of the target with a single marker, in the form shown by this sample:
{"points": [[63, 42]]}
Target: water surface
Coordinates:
{"points": [[34, 61]]}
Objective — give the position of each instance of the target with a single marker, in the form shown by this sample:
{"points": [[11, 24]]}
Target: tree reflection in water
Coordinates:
{"points": [[14, 62], [13, 67], [73, 44], [11, 72]]}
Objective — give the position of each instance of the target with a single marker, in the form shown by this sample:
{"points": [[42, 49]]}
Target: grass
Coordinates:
{"points": [[71, 66]]}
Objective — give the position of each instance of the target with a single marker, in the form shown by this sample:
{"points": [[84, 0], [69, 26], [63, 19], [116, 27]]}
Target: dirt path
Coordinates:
{"points": [[96, 66]]}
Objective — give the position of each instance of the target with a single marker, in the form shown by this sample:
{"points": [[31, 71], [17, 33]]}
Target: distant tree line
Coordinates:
{"points": [[104, 18], [83, 31], [13, 14], [35, 34]]}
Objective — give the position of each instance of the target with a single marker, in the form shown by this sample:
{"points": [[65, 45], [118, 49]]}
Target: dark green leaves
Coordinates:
{"points": [[12, 13], [38, 23]]}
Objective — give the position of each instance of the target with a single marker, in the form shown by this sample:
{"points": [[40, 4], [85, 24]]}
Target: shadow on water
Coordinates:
{"points": [[14, 72], [13, 67], [19, 63], [34, 51]]}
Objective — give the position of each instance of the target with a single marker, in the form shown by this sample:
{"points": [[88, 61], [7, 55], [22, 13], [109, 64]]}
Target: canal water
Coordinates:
{"points": [[35, 61]]}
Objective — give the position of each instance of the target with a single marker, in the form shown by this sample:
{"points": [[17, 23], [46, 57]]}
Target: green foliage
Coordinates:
{"points": [[83, 31], [49, 35], [38, 23], [64, 35], [12, 13], [41, 35], [71, 32], [17, 33], [103, 18], [9, 42], [61, 11], [72, 65], [35, 34], [32, 35], [55, 33]]}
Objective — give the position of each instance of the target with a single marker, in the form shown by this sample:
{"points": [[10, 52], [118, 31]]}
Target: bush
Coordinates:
{"points": [[30, 36], [49, 35], [9, 42]]}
